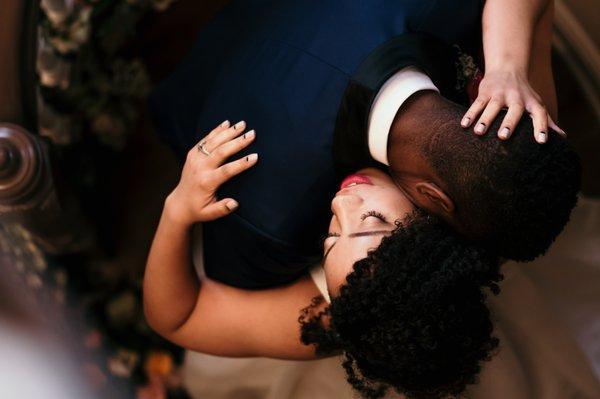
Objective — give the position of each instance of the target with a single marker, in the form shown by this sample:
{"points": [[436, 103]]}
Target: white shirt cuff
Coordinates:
{"points": [[388, 101]]}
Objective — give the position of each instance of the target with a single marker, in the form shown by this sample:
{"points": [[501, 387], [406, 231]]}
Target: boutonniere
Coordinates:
{"points": [[468, 74]]}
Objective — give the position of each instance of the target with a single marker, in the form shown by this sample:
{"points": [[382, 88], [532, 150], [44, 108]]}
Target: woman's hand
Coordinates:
{"points": [[194, 199], [508, 89]]}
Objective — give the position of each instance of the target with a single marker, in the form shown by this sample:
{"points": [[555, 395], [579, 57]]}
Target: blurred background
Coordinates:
{"points": [[83, 178]]}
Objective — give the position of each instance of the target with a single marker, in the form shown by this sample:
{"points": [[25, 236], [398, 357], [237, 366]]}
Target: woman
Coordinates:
{"points": [[410, 315], [443, 294]]}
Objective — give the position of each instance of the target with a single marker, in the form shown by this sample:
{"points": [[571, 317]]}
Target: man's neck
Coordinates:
{"points": [[411, 128]]}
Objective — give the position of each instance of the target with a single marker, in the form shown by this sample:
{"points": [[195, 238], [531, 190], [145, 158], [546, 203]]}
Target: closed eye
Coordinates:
{"points": [[323, 244], [328, 235], [374, 214]]}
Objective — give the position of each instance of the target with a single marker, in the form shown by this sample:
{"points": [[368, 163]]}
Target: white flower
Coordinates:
{"points": [[63, 46], [57, 11], [123, 363], [77, 33], [52, 70], [80, 30], [466, 69], [468, 65]]}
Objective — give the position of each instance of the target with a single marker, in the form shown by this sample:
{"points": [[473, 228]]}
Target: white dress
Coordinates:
{"points": [[547, 319]]}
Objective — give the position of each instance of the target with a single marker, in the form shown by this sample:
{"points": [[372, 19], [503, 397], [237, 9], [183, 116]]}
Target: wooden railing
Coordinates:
{"points": [[28, 190], [580, 52], [17, 73]]}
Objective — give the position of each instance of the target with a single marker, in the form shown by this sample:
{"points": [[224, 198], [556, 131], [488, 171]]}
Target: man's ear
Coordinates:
{"points": [[437, 200]]}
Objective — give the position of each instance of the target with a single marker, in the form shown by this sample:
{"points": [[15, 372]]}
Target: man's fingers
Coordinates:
{"points": [[514, 114], [231, 169], [540, 123], [474, 111], [226, 150], [488, 116], [219, 209]]}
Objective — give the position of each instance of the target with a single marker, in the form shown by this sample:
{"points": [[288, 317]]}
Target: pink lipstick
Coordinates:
{"points": [[355, 180]]}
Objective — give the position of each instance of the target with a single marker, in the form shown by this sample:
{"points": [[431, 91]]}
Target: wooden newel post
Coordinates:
{"points": [[24, 184], [28, 194]]}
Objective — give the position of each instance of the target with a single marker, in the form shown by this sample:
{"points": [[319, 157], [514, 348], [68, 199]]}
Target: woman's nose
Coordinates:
{"points": [[342, 205]]}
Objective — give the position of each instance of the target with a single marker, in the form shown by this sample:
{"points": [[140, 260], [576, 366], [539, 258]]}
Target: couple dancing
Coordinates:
{"points": [[365, 206]]}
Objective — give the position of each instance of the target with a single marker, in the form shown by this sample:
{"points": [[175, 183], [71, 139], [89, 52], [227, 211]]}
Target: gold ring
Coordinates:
{"points": [[202, 148]]}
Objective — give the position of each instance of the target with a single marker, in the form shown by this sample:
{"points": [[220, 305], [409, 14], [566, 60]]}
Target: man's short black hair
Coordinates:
{"points": [[513, 197], [412, 315]]}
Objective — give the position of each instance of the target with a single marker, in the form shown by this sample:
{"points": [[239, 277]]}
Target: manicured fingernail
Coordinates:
{"points": [[252, 157], [562, 132], [542, 137], [465, 121], [250, 134], [231, 205], [225, 124], [504, 133], [480, 128], [239, 125]]}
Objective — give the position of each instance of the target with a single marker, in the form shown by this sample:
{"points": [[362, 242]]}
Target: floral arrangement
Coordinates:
{"points": [[89, 84], [119, 357], [468, 74], [90, 89]]}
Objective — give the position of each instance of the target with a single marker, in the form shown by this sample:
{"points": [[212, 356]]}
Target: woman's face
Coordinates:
{"points": [[364, 211]]}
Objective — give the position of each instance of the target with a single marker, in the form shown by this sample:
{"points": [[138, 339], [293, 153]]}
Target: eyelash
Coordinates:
{"points": [[374, 214], [326, 237]]}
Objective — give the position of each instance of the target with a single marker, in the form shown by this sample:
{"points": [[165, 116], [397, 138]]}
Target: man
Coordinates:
{"points": [[309, 77]]}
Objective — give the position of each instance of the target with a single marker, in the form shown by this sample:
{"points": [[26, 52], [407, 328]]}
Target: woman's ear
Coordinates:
{"points": [[436, 199]]}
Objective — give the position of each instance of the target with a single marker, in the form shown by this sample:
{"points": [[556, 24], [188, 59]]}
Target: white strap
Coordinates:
{"points": [[318, 275]]}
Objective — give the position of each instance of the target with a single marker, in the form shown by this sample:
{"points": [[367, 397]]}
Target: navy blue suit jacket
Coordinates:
{"points": [[303, 74]]}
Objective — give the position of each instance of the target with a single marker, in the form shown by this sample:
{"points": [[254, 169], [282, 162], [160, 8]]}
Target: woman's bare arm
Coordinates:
{"points": [[508, 29], [232, 322], [171, 286], [513, 34], [214, 318], [208, 316]]}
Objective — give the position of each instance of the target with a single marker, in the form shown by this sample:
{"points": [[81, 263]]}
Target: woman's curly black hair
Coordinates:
{"points": [[412, 314]]}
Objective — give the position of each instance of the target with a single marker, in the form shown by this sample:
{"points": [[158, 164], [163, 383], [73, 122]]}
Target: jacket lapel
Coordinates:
{"points": [[434, 57]]}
